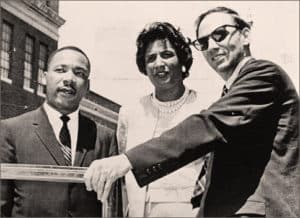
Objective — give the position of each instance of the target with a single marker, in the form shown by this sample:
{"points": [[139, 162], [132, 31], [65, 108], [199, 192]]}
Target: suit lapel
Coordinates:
{"points": [[212, 154], [242, 71], [86, 138], [45, 132]]}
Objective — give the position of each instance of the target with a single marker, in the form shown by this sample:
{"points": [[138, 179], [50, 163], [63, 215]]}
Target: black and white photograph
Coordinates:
{"points": [[149, 108]]}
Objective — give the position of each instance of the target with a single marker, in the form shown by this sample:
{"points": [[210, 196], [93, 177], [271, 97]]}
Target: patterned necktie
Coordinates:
{"points": [[224, 91], [65, 139], [200, 183]]}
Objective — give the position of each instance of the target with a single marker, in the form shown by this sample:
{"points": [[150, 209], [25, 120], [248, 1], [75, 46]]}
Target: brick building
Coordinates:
{"points": [[29, 33]]}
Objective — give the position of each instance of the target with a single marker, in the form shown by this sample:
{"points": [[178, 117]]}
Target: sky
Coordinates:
{"points": [[107, 31]]}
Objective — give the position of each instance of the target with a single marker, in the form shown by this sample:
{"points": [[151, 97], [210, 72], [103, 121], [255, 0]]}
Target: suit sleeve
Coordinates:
{"points": [[7, 155], [242, 112]]}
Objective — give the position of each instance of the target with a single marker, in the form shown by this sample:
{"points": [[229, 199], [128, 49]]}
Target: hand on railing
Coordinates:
{"points": [[102, 173]]}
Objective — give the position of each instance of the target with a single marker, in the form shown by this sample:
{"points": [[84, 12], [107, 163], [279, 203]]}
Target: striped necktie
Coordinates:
{"points": [[200, 184], [201, 181], [224, 91], [65, 139]]}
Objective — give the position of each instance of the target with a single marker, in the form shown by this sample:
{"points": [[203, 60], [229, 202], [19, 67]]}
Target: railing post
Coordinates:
{"points": [[107, 207]]}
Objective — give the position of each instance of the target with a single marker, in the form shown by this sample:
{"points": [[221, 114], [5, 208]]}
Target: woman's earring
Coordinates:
{"points": [[183, 69]]}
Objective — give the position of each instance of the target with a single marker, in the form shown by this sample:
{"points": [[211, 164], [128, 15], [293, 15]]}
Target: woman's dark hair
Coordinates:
{"points": [[163, 30]]}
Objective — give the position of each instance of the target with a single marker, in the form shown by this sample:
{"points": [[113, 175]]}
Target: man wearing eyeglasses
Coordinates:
{"points": [[251, 132]]}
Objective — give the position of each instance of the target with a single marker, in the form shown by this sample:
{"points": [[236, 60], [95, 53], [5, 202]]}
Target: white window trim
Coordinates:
{"points": [[41, 94], [7, 80], [28, 89]]}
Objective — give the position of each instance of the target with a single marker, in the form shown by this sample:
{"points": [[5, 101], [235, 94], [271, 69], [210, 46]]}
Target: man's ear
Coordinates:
{"points": [[44, 77], [247, 36]]}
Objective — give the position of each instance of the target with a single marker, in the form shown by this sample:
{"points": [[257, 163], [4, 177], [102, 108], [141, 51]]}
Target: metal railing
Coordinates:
{"points": [[49, 173]]}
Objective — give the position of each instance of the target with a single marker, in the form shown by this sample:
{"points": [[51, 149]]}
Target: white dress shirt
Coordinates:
{"points": [[236, 71], [56, 124]]}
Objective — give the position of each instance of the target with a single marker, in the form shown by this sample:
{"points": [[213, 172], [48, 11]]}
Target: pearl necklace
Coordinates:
{"points": [[169, 107]]}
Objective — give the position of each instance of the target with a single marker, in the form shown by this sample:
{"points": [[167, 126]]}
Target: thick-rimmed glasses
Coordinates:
{"points": [[218, 35]]}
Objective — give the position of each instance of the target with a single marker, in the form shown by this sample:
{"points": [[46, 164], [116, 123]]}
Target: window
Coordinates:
{"points": [[28, 63], [41, 87], [6, 51]]}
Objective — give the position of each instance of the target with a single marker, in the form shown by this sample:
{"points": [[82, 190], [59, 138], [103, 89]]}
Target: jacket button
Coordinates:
{"points": [[155, 169]]}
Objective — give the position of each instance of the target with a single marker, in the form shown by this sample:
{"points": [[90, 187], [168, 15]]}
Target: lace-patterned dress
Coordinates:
{"points": [[147, 118]]}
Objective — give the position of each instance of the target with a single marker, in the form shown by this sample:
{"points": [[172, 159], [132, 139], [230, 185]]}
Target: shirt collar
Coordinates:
{"points": [[236, 71], [54, 115]]}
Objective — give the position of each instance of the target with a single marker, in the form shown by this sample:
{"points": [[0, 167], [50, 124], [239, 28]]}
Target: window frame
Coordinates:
{"points": [[28, 65], [9, 43], [41, 80]]}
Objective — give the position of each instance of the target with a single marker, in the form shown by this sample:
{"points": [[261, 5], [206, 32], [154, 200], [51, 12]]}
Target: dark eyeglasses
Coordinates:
{"points": [[217, 35]]}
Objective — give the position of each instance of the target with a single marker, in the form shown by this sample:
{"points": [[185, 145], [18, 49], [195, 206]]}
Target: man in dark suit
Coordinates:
{"points": [[55, 134], [251, 132]]}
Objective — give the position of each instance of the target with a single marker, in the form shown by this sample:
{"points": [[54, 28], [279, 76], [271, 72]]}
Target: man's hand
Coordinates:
{"points": [[102, 173]]}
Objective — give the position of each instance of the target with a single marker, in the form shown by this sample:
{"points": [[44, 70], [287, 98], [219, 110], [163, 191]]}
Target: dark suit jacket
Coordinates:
{"points": [[29, 139], [252, 133]]}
